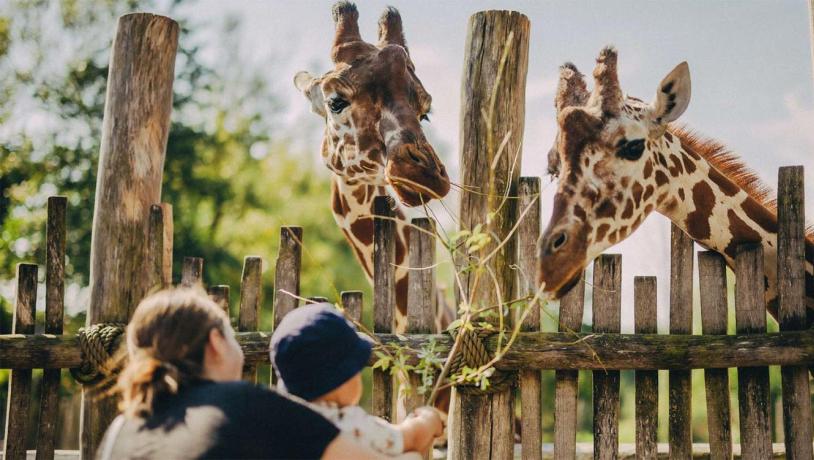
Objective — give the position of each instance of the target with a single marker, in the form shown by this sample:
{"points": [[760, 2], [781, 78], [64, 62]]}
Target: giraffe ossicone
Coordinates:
{"points": [[373, 105], [618, 159]]}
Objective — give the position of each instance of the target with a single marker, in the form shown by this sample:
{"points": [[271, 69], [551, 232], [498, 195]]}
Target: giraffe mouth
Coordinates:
{"points": [[411, 198]]}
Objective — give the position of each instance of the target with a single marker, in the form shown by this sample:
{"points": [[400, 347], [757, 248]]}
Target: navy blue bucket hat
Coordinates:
{"points": [[315, 350]]}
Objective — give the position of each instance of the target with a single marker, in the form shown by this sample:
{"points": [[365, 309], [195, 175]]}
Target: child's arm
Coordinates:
{"points": [[420, 428]]}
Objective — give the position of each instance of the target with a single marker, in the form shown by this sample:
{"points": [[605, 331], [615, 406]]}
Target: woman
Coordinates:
{"points": [[182, 396]]}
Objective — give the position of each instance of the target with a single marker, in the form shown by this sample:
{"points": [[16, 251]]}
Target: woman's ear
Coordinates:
{"points": [[216, 347], [309, 87]]}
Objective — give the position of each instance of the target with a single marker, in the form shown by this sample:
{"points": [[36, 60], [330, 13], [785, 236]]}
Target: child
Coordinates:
{"points": [[319, 356]]}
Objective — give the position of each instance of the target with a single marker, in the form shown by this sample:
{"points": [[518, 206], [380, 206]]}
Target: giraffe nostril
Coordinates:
{"points": [[559, 241]]}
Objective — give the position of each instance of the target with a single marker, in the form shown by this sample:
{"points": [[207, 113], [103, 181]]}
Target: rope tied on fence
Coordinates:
{"points": [[99, 343], [474, 354]]}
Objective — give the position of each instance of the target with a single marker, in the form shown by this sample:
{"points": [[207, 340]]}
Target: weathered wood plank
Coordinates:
{"points": [[220, 294], [19, 386], [384, 296], [607, 317], [192, 272], [753, 382], [352, 302], [566, 386], [421, 295], [647, 382], [792, 307], [712, 286], [131, 162], [493, 115], [248, 319], [287, 272], [537, 350], [160, 246], [54, 313], [680, 417], [530, 382]]}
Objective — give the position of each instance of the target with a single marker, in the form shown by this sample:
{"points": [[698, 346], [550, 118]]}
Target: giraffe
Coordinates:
{"points": [[373, 105], [618, 159]]}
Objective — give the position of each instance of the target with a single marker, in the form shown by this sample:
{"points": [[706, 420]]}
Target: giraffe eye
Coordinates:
{"points": [[631, 150], [337, 104]]}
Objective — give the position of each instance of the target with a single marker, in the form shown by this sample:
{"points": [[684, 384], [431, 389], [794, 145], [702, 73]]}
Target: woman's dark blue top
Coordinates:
{"points": [[221, 420]]}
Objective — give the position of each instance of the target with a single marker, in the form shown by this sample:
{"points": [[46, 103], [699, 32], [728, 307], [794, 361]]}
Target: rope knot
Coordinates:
{"points": [[99, 343], [474, 354]]}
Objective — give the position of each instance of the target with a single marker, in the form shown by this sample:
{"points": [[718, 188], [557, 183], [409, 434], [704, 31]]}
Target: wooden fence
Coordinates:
{"points": [[481, 426]]}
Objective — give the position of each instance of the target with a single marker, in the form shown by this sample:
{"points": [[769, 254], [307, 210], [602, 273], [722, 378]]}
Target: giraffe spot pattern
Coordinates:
{"points": [[628, 212], [728, 187], [698, 220], [741, 233]]}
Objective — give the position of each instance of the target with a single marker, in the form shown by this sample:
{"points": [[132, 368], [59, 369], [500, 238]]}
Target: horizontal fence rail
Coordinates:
{"points": [[531, 350]]}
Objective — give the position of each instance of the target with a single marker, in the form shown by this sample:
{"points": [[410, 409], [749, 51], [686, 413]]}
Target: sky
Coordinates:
{"points": [[750, 63]]}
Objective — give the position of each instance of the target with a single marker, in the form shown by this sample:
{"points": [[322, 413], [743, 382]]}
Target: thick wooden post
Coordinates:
{"points": [[753, 382], [384, 296], [492, 115], [54, 308], [680, 416], [792, 308], [131, 161], [530, 381], [647, 382], [607, 316], [712, 284], [19, 386]]}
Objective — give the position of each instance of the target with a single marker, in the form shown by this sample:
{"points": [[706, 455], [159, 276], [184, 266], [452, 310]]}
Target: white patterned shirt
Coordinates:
{"points": [[366, 429]]}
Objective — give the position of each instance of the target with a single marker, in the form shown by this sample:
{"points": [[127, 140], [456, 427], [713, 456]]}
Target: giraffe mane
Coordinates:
{"points": [[732, 166]]}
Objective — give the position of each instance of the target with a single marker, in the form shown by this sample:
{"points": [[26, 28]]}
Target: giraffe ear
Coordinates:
{"points": [[309, 86], [672, 95]]}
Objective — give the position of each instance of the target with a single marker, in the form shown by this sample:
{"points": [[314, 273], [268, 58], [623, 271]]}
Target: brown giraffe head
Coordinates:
{"points": [[609, 156], [373, 104]]}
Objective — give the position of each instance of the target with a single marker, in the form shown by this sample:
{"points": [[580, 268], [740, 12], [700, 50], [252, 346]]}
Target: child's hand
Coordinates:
{"points": [[421, 427], [435, 419]]}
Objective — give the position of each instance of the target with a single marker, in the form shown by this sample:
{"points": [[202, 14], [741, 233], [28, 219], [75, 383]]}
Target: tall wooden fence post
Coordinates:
{"points": [[493, 113], [607, 317], [421, 293], [712, 286], [530, 381], [131, 161], [19, 387], [384, 296], [248, 316], [54, 308], [680, 392], [287, 272], [647, 381], [566, 382], [792, 308], [753, 382]]}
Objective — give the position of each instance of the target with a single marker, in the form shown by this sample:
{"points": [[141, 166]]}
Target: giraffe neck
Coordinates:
{"points": [[352, 207], [718, 213]]}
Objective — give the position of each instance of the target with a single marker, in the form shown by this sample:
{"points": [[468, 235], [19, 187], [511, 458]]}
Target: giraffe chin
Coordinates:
{"points": [[410, 198]]}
